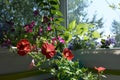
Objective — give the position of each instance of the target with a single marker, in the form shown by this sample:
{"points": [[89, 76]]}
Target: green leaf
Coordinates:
{"points": [[56, 12], [112, 6], [61, 28], [53, 2], [67, 36], [7, 2], [55, 6], [59, 19], [86, 37], [96, 34], [72, 25], [91, 25], [81, 29]]}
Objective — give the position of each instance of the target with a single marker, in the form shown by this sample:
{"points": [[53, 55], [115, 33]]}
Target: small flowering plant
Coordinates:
{"points": [[109, 42], [42, 36], [100, 71]]}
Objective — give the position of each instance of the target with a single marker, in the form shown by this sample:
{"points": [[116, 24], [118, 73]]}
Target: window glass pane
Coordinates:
{"points": [[104, 14]]}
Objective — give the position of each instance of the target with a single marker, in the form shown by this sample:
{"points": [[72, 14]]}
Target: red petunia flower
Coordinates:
{"points": [[99, 69], [23, 47], [68, 54], [48, 50]]}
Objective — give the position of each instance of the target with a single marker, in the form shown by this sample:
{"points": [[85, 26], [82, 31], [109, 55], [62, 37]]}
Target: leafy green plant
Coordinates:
{"points": [[69, 70], [81, 36]]}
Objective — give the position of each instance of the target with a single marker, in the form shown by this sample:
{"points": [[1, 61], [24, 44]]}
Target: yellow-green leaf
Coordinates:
{"points": [[72, 25], [96, 34]]}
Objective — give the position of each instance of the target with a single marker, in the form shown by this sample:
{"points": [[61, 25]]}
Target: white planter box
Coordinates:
{"points": [[13, 66], [108, 58], [12, 62]]}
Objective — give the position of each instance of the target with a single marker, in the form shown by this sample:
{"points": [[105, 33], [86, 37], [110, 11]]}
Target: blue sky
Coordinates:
{"points": [[102, 9]]}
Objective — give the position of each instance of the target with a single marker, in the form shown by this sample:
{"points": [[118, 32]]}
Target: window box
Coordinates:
{"points": [[108, 58]]}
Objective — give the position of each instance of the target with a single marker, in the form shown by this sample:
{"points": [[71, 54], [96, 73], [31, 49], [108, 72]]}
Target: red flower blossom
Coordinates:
{"points": [[68, 54], [99, 69], [23, 47], [48, 50]]}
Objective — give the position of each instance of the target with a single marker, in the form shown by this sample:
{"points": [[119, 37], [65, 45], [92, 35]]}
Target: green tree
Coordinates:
{"points": [[77, 11], [116, 30]]}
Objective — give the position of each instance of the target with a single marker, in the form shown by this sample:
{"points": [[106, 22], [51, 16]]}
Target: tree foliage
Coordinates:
{"points": [[116, 30], [77, 11]]}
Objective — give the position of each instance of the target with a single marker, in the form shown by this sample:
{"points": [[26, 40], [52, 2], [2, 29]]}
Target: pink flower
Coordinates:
{"points": [[100, 69], [26, 28], [61, 39], [54, 40], [32, 24], [51, 19], [48, 28], [40, 29], [29, 27]]}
